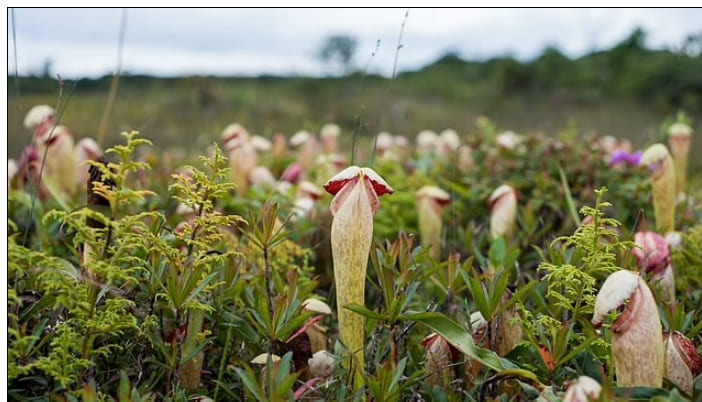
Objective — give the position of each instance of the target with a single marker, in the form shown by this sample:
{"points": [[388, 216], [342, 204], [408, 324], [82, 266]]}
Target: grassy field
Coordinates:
{"points": [[481, 275], [626, 91], [191, 112]]}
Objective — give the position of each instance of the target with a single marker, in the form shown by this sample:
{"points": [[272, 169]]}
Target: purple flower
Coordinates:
{"points": [[620, 157], [635, 158]]}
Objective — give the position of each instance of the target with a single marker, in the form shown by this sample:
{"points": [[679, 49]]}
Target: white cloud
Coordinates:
{"points": [[255, 41]]}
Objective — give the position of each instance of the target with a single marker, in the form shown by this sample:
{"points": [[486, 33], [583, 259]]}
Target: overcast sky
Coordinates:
{"points": [[83, 42]]}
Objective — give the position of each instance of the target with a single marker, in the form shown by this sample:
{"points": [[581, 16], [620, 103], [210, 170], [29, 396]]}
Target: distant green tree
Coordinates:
{"points": [[692, 46], [47, 68], [339, 49], [550, 69]]}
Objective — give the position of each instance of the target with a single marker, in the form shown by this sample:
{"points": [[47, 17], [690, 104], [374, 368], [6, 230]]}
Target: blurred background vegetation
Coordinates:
{"points": [[626, 91]]}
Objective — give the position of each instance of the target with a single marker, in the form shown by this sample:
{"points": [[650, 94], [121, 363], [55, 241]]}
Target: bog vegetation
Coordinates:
{"points": [[484, 264], [482, 257], [626, 91]]}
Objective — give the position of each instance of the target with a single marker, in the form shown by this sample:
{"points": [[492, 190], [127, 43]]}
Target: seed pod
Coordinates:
{"points": [[330, 134], [384, 141], [426, 141], [437, 365], [356, 191], [317, 333], [465, 159], [262, 360], [480, 329], [261, 176], [280, 147], [509, 140], [86, 149], [653, 256], [637, 344], [449, 141], [681, 361], [680, 138], [431, 201], [191, 371], [508, 334], [60, 170], [242, 156], [657, 158], [322, 364], [503, 211], [261, 144], [40, 119], [12, 169], [308, 148], [28, 169]]}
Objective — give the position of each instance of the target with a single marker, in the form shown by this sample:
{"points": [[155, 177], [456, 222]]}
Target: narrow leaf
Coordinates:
{"points": [[460, 339]]}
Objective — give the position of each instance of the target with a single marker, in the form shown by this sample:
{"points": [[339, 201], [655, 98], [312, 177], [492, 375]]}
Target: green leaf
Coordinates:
{"points": [[497, 252], [475, 287], [124, 387], [518, 296], [498, 291], [199, 289], [194, 353], [249, 379], [460, 339], [518, 374], [569, 197]]}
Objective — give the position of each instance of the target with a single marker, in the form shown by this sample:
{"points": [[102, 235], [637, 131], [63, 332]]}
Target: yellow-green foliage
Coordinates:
{"points": [[93, 312], [286, 256], [574, 273], [687, 261], [572, 285]]}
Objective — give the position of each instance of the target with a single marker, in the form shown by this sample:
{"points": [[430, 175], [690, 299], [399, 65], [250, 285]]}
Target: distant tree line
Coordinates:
{"points": [[665, 78]]}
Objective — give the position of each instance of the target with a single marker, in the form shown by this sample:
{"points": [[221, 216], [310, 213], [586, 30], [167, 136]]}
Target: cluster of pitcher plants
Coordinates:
{"points": [[482, 266]]}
